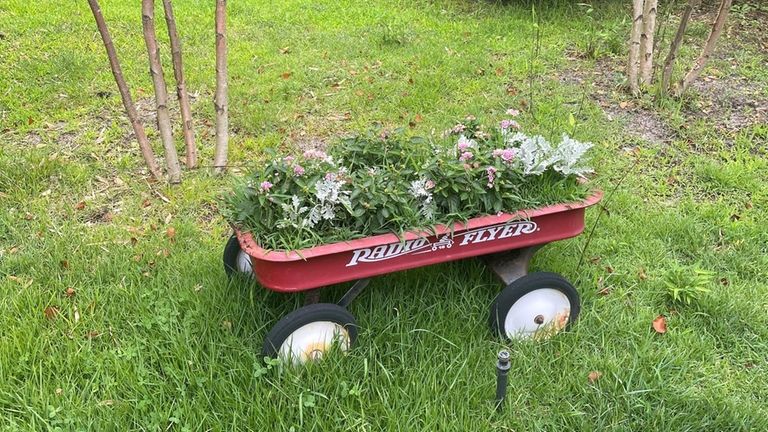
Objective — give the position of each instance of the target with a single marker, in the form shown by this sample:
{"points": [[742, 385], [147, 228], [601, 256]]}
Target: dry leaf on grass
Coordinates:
{"points": [[51, 312], [70, 292], [660, 324], [594, 376], [641, 274]]}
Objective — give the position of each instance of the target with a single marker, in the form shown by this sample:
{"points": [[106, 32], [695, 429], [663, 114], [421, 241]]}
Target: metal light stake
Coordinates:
{"points": [[502, 369]]}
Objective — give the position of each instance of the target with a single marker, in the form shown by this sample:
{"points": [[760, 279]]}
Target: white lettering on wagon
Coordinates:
{"points": [[422, 245]]}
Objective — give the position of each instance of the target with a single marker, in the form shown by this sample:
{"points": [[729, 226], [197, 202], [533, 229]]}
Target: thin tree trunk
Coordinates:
{"points": [[220, 100], [709, 47], [646, 41], [674, 49], [161, 92], [125, 94], [634, 46], [181, 86]]}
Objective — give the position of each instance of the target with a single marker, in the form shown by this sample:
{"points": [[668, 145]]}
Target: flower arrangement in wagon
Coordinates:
{"points": [[392, 183]]}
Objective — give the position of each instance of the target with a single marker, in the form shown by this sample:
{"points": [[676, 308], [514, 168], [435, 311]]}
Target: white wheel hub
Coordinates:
{"points": [[540, 313], [244, 263], [311, 341]]}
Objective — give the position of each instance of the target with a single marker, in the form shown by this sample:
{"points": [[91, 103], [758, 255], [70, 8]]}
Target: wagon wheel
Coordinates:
{"points": [[236, 261], [310, 332], [538, 305]]}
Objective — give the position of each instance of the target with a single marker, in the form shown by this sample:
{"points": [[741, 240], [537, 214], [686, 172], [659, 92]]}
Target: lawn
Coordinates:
{"points": [[115, 310]]}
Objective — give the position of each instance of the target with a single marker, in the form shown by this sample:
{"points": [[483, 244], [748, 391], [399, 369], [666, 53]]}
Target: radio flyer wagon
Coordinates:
{"points": [[531, 305]]}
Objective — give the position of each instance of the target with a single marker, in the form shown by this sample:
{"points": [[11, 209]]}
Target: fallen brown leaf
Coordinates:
{"points": [[660, 324], [286, 75], [170, 233], [51, 312], [594, 376], [80, 205], [64, 264], [641, 274], [70, 292]]}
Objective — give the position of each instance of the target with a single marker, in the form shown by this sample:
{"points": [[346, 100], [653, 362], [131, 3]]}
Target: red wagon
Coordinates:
{"points": [[536, 304]]}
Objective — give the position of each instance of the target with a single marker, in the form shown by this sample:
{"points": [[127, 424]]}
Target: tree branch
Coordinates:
{"points": [[646, 41], [709, 47], [181, 87], [125, 94], [674, 49], [161, 93], [634, 46], [220, 102]]}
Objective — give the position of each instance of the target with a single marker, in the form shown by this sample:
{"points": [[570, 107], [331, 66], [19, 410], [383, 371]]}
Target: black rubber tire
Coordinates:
{"points": [[526, 284], [231, 251], [303, 316]]}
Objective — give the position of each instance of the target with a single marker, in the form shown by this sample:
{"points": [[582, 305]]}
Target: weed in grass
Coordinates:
{"points": [[685, 284]]}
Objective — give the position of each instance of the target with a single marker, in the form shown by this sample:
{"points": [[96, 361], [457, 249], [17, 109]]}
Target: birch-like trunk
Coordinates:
{"points": [[709, 47], [634, 46], [674, 49], [181, 86], [161, 92], [646, 41], [125, 94], [220, 99]]}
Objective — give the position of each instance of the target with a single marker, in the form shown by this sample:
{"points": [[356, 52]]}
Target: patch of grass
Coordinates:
{"points": [[153, 336]]}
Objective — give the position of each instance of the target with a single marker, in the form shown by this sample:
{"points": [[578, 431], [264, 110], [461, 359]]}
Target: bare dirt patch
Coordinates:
{"points": [[604, 82]]}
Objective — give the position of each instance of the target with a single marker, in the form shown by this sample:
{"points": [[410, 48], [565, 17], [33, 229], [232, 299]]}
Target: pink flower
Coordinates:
{"points": [[509, 124], [513, 112], [298, 170], [459, 128], [429, 184], [466, 156], [491, 171], [464, 143], [289, 158], [505, 154], [315, 154], [265, 186]]}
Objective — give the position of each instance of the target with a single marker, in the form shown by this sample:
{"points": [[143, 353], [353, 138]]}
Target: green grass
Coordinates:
{"points": [[156, 338]]}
